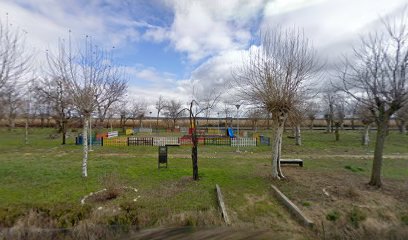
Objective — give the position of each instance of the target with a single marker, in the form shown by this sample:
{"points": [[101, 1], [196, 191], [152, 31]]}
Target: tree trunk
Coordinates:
{"points": [[85, 147], [298, 136], [366, 135], [194, 150], [311, 124], [26, 131], [279, 123], [194, 157], [337, 131], [11, 124], [402, 127], [64, 131], [157, 122], [382, 127], [328, 126], [352, 124]]}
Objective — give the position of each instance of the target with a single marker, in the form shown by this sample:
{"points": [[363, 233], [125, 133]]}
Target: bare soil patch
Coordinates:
{"points": [[343, 206]]}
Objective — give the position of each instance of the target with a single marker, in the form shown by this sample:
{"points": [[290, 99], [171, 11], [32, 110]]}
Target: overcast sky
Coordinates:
{"points": [[167, 44]]}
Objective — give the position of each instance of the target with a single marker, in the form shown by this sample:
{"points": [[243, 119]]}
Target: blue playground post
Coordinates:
{"points": [[230, 132]]}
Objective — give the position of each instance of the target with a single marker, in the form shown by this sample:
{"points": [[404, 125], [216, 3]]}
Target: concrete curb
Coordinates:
{"points": [[222, 205], [293, 208]]}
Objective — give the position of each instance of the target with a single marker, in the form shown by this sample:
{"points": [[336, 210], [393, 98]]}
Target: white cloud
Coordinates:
{"points": [[51, 20], [332, 25], [205, 28]]}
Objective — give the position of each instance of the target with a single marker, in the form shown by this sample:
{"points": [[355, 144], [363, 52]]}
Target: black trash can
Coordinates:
{"points": [[162, 156]]}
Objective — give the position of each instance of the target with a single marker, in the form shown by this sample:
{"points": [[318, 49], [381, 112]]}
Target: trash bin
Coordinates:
{"points": [[162, 156]]}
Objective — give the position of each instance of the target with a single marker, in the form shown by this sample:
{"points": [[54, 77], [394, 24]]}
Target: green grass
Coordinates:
{"points": [[48, 174]]}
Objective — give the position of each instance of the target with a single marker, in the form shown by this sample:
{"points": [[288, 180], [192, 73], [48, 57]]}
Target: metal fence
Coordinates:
{"points": [[140, 141], [162, 141], [186, 140], [218, 141], [264, 140], [243, 142]]}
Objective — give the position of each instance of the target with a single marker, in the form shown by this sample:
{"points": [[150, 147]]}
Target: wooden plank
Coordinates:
{"points": [[292, 208], [222, 205]]}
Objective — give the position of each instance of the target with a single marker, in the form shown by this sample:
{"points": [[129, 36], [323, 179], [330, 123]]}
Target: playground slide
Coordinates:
{"points": [[230, 132]]}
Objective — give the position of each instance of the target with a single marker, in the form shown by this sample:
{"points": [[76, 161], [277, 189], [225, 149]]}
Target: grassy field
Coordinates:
{"points": [[46, 176]]}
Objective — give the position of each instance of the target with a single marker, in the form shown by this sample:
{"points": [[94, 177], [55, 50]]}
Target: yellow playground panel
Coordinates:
{"points": [[117, 141], [129, 131], [214, 132]]}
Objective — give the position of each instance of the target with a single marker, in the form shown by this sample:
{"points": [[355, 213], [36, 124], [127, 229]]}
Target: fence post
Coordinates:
{"points": [[101, 141]]}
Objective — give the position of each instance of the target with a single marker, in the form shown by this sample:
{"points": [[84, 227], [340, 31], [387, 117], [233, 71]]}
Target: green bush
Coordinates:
{"points": [[333, 215], [404, 219], [354, 169], [357, 216], [9, 215]]}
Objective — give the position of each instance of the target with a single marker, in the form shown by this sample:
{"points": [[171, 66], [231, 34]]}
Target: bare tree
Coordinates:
{"points": [[85, 73], [255, 114], [366, 119], [227, 112], [274, 77], [124, 113], [312, 109], [173, 110], [295, 119], [54, 92], [329, 98], [376, 77], [110, 92], [137, 111], [197, 107], [14, 60], [339, 115], [401, 116], [159, 105], [12, 100]]}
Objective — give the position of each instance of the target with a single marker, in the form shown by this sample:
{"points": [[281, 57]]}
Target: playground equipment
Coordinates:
{"points": [[204, 138], [230, 132]]}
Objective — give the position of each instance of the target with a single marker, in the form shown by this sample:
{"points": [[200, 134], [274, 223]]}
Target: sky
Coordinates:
{"points": [[166, 45]]}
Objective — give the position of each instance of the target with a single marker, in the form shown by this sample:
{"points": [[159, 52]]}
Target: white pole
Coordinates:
{"points": [[237, 106], [218, 119], [150, 121], [90, 133]]}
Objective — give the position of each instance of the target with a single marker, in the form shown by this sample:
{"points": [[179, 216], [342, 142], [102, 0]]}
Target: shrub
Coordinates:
{"points": [[404, 219], [354, 169], [357, 216], [333, 215]]}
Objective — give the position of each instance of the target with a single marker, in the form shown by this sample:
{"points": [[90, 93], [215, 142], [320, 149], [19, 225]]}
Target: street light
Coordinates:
{"points": [[218, 114], [150, 122], [237, 106]]}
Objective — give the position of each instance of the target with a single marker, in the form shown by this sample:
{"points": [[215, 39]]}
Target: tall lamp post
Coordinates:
{"points": [[218, 120], [237, 106], [150, 122]]}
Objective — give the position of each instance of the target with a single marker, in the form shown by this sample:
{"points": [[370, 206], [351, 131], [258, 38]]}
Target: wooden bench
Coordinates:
{"points": [[173, 145], [292, 161]]}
